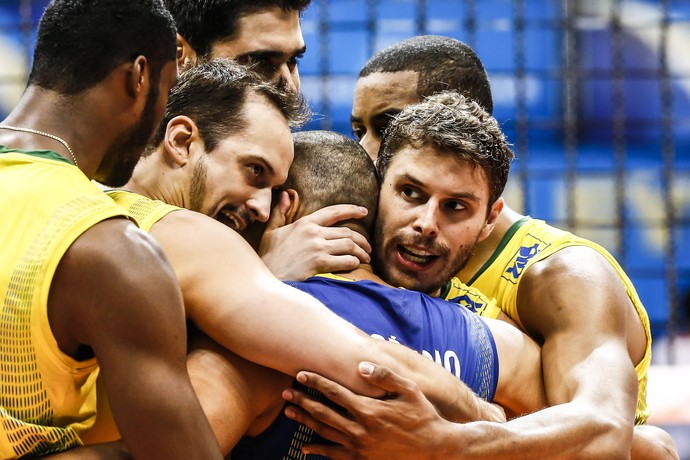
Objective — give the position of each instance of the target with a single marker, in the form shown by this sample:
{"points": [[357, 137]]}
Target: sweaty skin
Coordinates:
{"points": [[576, 306]]}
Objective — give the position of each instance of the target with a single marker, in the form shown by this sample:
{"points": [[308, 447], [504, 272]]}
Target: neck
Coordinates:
{"points": [[363, 272], [153, 178], [485, 249], [50, 112]]}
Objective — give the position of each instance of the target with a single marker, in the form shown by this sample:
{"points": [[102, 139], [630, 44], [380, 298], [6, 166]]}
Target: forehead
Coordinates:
{"points": [[266, 137], [384, 91], [272, 29], [438, 170]]}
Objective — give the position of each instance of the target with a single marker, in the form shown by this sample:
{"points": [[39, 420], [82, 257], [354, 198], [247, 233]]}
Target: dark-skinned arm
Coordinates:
{"points": [[115, 293]]}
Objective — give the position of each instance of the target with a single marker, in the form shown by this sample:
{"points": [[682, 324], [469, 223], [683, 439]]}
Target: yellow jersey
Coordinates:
{"points": [[470, 297], [146, 212], [47, 399], [143, 209], [529, 241]]}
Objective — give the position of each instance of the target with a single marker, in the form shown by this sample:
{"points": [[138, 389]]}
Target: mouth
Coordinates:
{"points": [[415, 258], [231, 219]]}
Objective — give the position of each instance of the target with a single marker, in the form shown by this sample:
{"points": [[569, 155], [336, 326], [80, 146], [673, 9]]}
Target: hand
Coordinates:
{"points": [[404, 424], [310, 245]]}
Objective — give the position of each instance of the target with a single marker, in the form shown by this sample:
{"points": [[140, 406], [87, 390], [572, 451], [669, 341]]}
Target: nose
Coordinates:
{"points": [[371, 144], [289, 78], [259, 205], [426, 221]]}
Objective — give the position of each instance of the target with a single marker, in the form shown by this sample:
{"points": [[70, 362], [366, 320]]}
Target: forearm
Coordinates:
{"points": [[454, 400], [335, 348], [559, 432]]}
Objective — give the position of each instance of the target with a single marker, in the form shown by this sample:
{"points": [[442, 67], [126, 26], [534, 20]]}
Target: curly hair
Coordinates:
{"points": [[455, 125]]}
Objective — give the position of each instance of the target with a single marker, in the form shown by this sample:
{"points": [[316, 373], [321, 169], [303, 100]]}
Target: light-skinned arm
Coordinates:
{"points": [[234, 299], [577, 304]]}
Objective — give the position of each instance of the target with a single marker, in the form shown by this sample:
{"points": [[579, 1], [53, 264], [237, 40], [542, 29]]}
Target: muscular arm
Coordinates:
{"points": [[577, 305], [233, 298], [118, 296], [520, 388]]}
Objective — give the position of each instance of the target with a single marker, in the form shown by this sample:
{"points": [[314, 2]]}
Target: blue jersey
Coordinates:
{"points": [[452, 336]]}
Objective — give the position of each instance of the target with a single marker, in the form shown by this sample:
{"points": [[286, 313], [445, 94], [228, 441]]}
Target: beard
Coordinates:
{"points": [[124, 153], [197, 188], [419, 281]]}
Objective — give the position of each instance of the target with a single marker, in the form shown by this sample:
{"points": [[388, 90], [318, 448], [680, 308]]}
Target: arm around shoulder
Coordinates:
{"points": [[520, 388]]}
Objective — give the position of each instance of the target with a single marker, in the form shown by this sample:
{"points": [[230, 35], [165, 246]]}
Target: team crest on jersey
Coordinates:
{"points": [[469, 302], [531, 247]]}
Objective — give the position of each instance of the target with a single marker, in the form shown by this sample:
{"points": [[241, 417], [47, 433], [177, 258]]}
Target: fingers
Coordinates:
{"points": [[330, 264], [306, 418], [332, 452], [331, 215], [341, 241], [278, 216], [331, 390], [309, 246], [347, 241], [386, 379]]}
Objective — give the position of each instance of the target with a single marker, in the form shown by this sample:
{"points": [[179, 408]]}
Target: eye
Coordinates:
{"points": [[266, 67], [379, 130], [410, 193], [358, 132], [256, 170], [454, 205], [260, 64], [294, 61]]}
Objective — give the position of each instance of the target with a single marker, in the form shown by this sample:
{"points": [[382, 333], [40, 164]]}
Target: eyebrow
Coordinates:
{"points": [[271, 54], [409, 178], [379, 117]]}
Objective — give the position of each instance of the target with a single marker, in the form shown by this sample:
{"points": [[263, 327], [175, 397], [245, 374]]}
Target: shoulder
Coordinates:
{"points": [[185, 233], [574, 261], [117, 249], [109, 276]]}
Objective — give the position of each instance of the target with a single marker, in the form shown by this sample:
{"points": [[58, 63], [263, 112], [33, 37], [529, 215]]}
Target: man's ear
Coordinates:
{"points": [[186, 56], [138, 78], [495, 211], [181, 134], [293, 210]]}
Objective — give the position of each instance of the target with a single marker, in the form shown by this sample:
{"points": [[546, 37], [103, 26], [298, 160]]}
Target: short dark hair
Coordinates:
{"points": [[203, 22], [455, 125], [330, 168], [442, 64], [213, 94], [79, 42]]}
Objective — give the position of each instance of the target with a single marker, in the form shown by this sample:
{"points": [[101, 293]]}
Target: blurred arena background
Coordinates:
{"points": [[595, 97]]}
